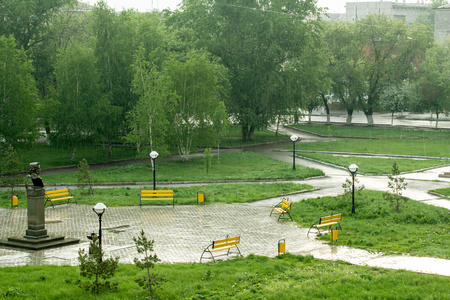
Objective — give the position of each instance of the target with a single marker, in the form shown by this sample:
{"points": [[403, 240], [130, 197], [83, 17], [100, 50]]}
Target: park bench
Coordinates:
{"points": [[282, 209], [326, 221], [154, 195], [222, 245], [58, 195]]}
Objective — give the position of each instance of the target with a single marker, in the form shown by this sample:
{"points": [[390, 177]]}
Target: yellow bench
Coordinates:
{"points": [[220, 245], [282, 209], [326, 221], [57, 195], [152, 195]]}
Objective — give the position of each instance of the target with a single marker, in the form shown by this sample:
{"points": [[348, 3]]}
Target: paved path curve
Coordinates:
{"points": [[181, 233]]}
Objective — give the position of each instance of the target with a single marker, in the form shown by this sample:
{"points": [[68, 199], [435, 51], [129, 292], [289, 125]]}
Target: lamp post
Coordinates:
{"points": [[293, 138], [99, 209], [154, 155], [353, 169]]}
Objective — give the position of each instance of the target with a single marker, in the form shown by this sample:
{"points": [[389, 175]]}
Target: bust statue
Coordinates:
{"points": [[34, 171]]}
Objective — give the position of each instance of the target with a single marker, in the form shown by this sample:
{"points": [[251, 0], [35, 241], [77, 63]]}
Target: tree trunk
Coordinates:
{"points": [[437, 119], [244, 132], [309, 115], [392, 119], [110, 149], [349, 116], [218, 153], [251, 133], [73, 154], [327, 107], [369, 119], [278, 126]]}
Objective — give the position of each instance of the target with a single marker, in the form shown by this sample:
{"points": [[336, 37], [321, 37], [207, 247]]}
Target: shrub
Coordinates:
{"points": [[93, 265]]}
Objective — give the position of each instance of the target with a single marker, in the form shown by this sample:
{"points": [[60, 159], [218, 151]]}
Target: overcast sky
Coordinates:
{"points": [[335, 6]]}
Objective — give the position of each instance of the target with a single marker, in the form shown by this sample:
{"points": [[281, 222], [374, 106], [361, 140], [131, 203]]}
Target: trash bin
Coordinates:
{"points": [[201, 198], [281, 247], [14, 201], [333, 233]]}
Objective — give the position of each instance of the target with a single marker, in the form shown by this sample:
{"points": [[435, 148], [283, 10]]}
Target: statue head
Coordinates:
{"points": [[34, 171]]}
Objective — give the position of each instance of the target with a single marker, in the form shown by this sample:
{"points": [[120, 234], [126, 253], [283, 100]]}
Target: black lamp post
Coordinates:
{"points": [[353, 169], [99, 209], [154, 155], [293, 138]]}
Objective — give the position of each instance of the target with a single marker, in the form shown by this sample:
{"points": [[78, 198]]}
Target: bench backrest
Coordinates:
{"points": [[330, 219], [157, 194], [226, 242], [285, 204], [57, 193]]}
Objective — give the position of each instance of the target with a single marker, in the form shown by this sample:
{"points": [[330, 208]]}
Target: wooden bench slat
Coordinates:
{"points": [[157, 195], [221, 245], [282, 208], [57, 195], [63, 198], [327, 221]]}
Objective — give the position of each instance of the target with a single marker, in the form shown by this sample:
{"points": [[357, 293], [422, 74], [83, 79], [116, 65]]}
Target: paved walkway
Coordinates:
{"points": [[181, 233]]}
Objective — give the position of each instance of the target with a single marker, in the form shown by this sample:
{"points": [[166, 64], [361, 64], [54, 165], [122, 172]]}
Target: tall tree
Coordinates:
{"points": [[149, 121], [374, 51], [82, 109], [114, 47], [434, 80], [10, 169], [197, 83], [27, 20], [254, 39], [18, 95], [345, 69]]}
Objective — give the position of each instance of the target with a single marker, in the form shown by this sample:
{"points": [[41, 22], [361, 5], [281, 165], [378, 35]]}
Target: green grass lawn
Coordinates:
{"points": [[445, 192], [215, 193], [254, 277], [373, 165], [53, 156], [419, 229], [233, 166], [374, 132], [430, 148]]}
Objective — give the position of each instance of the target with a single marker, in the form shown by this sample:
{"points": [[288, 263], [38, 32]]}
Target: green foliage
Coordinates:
{"points": [[10, 169], [27, 20], [369, 53], [397, 184], [254, 44], [93, 265], [83, 109], [198, 83], [149, 120], [208, 157], [434, 80], [18, 107], [152, 281], [418, 229], [84, 177]]}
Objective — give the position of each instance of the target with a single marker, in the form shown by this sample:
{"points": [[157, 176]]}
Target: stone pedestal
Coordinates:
{"points": [[36, 214], [36, 237]]}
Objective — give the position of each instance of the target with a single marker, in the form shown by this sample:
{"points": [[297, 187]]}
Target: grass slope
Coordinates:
{"points": [[253, 277]]}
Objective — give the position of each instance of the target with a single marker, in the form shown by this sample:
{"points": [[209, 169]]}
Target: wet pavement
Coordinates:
{"points": [[182, 233]]}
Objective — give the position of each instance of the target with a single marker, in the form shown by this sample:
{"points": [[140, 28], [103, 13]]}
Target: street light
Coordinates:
{"points": [[154, 155], [293, 138], [99, 209], [353, 169]]}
